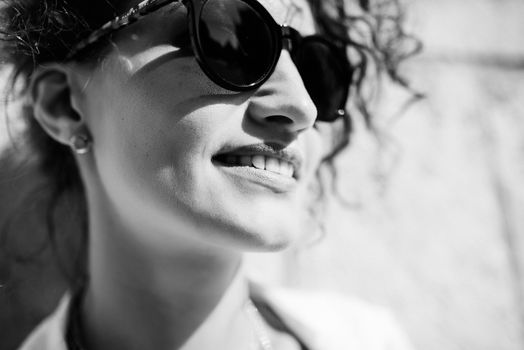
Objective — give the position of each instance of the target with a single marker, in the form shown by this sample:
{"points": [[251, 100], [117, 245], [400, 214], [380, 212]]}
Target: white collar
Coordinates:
{"points": [[50, 334]]}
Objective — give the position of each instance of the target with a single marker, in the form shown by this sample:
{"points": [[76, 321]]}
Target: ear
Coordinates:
{"points": [[51, 90]]}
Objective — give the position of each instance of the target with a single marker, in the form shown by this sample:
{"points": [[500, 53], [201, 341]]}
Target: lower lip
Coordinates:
{"points": [[268, 179]]}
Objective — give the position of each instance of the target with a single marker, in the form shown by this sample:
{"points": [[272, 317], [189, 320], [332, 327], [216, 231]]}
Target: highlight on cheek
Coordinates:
{"points": [[133, 62]]}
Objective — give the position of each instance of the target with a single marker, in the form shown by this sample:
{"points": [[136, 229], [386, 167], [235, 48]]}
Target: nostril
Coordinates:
{"points": [[279, 119]]}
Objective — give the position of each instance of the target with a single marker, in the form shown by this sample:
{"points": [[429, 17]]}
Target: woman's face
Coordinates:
{"points": [[158, 124]]}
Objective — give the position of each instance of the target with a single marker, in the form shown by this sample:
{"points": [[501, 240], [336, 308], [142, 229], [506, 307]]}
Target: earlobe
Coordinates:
{"points": [[52, 101]]}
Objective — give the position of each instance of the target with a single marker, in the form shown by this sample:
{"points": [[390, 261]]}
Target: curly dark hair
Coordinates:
{"points": [[35, 32]]}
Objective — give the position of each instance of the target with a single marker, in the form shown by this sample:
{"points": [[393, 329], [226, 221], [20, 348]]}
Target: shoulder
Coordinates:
{"points": [[49, 335], [331, 321]]}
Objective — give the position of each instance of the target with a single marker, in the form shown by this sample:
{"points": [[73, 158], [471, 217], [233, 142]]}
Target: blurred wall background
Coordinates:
{"points": [[433, 221]]}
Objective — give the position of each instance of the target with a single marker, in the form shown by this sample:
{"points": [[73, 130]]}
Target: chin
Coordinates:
{"points": [[270, 226], [271, 243], [276, 235]]}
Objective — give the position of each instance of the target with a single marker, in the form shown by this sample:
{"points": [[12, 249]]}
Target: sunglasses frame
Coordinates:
{"points": [[202, 59], [283, 37]]}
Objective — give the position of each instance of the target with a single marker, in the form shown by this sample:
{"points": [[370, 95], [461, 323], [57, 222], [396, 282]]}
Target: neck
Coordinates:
{"points": [[140, 296]]}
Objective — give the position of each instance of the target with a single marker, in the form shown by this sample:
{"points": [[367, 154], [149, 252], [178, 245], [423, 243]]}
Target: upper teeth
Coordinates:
{"points": [[272, 164]]}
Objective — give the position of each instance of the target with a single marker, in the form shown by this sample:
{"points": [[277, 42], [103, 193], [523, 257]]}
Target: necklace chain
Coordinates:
{"points": [[259, 326]]}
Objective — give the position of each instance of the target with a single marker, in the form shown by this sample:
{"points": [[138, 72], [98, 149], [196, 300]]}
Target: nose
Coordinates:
{"points": [[282, 103]]}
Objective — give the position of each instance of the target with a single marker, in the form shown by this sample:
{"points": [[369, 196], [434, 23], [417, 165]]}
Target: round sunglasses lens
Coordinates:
{"points": [[325, 76], [236, 42]]}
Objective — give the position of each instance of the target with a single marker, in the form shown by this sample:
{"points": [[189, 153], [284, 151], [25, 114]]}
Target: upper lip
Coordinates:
{"points": [[285, 153]]}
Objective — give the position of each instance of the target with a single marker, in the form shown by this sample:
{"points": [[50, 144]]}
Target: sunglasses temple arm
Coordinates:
{"points": [[156, 4], [134, 14]]}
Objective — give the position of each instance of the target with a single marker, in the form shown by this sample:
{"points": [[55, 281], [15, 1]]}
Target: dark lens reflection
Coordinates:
{"points": [[236, 42], [325, 76]]}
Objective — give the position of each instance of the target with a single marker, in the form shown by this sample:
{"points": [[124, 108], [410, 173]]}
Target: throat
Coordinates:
{"points": [[152, 304]]}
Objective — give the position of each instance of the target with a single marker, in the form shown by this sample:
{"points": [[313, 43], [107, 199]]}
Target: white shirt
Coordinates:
{"points": [[323, 321]]}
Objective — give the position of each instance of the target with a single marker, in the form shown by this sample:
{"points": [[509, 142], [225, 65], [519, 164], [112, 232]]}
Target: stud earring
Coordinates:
{"points": [[81, 144]]}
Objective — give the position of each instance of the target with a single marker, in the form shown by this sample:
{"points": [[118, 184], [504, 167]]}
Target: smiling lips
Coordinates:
{"points": [[273, 158]]}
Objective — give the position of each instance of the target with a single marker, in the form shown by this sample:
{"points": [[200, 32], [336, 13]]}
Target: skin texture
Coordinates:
{"points": [[168, 226]]}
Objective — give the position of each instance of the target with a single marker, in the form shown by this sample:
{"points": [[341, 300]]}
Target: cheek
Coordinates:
{"points": [[135, 113], [136, 132], [153, 149], [140, 148]]}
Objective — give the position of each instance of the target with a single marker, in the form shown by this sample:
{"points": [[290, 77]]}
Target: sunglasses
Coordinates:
{"points": [[237, 44]]}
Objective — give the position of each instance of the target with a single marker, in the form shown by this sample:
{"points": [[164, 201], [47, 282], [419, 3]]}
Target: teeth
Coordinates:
{"points": [[259, 162], [274, 165], [286, 168]]}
